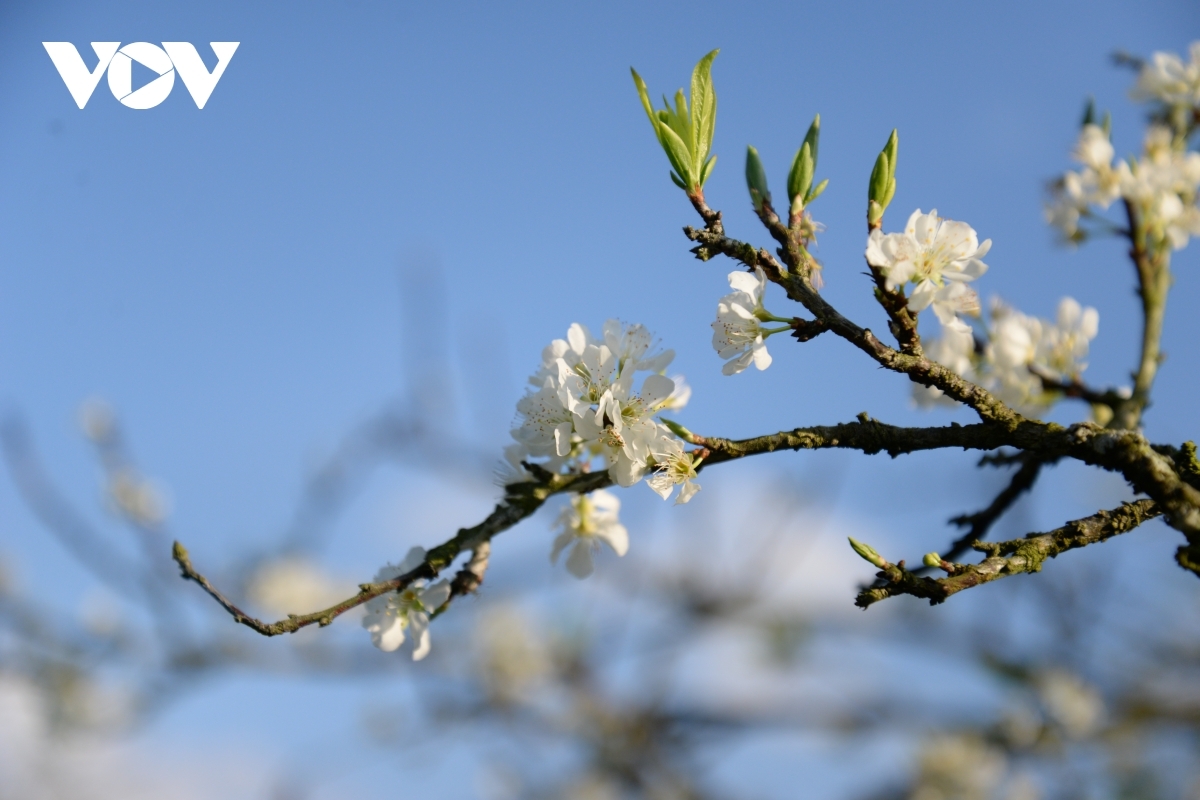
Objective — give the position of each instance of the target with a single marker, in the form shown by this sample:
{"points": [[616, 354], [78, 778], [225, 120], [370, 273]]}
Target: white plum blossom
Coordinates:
{"points": [[680, 396], [390, 615], [569, 349], [674, 467], [1099, 182], [1167, 79], [938, 256], [547, 425], [622, 428], [585, 522], [588, 406], [633, 344], [738, 333], [1063, 349], [1014, 339]]}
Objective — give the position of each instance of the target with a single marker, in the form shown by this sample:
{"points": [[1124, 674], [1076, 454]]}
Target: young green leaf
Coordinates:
{"points": [[677, 153], [816, 191], [704, 106], [684, 134], [644, 94]]}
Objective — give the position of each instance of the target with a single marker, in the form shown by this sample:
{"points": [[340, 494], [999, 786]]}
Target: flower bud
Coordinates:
{"points": [[932, 560], [868, 554]]}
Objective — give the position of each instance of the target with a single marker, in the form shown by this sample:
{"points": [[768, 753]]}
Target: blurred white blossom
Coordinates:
{"points": [[390, 615], [955, 350], [1022, 348], [1075, 706], [1160, 186], [1167, 79], [1017, 351], [958, 767], [295, 586], [139, 499], [1163, 185], [585, 522]]}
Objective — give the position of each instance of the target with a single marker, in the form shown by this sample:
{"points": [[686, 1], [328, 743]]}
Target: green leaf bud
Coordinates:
{"points": [[756, 179], [879, 179], [868, 554], [801, 176], [932, 560], [892, 148], [813, 137]]}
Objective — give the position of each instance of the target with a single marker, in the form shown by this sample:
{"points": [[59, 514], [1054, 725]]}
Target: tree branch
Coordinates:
{"points": [[1123, 451], [800, 289], [1154, 281], [521, 501], [1009, 558], [1077, 389], [867, 435]]}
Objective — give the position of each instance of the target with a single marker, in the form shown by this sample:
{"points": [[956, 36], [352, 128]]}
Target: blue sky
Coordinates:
{"points": [[231, 278]]}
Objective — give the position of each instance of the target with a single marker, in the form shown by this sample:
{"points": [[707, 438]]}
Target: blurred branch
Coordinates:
{"points": [[60, 518], [979, 523]]}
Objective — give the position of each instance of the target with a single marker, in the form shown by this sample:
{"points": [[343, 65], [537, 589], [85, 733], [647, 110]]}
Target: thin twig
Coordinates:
{"points": [[980, 522], [1009, 558]]}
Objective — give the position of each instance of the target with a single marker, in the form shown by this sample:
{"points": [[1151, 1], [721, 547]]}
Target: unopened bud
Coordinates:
{"points": [[932, 560], [678, 430], [756, 179], [868, 553]]}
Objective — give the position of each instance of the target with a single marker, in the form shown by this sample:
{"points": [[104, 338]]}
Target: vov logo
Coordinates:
{"points": [[165, 61]]}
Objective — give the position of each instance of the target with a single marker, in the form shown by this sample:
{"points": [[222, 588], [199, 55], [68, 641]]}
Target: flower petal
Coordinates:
{"points": [[922, 296], [423, 646], [414, 559], [580, 562], [685, 494], [616, 537]]}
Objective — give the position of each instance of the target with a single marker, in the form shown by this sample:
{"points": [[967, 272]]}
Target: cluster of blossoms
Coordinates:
{"points": [[1161, 185], [390, 615], [586, 410], [1017, 353]]}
